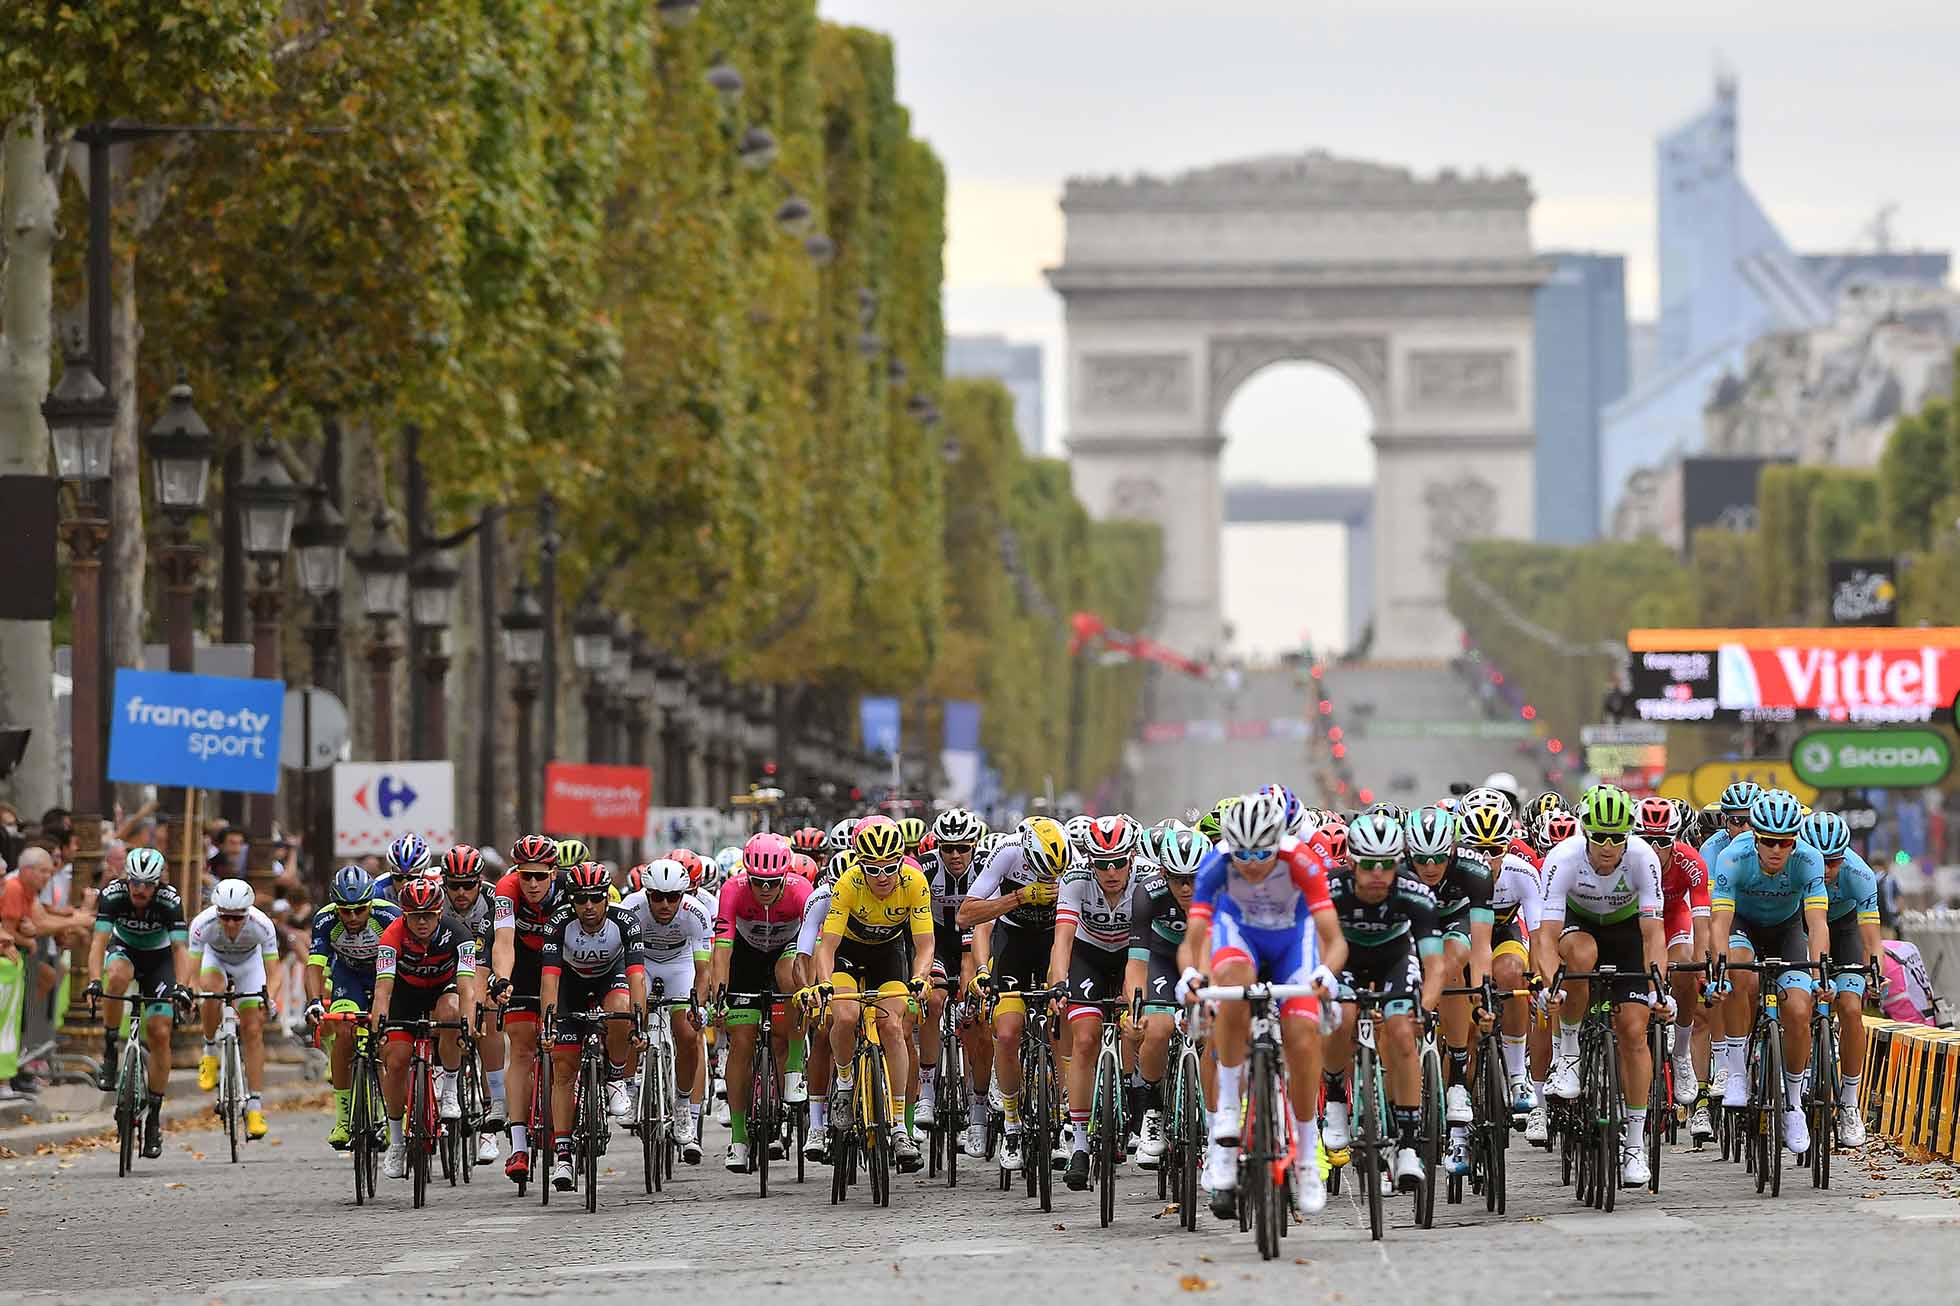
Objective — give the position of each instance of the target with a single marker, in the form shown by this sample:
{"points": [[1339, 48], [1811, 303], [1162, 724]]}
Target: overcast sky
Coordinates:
{"points": [[1844, 107]]}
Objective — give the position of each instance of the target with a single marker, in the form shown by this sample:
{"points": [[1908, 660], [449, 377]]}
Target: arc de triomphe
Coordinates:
{"points": [[1418, 290]]}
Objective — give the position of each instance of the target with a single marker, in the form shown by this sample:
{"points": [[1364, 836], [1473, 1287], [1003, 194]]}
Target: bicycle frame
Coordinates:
{"points": [[232, 1089], [367, 1118], [589, 1132]]}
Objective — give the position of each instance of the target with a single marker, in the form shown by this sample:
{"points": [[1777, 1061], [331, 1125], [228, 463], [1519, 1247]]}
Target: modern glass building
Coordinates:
{"points": [[1581, 361]]}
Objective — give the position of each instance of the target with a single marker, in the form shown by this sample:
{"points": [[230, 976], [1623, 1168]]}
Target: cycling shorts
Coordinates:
{"points": [[1848, 949], [1393, 966], [862, 967], [153, 968], [1020, 961], [1622, 947], [1786, 940], [242, 974], [1094, 975], [350, 985], [1507, 940], [1285, 956], [413, 1002]]}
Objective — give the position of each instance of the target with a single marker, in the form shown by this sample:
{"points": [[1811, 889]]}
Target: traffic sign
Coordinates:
{"points": [[1872, 759], [316, 725], [1707, 781]]}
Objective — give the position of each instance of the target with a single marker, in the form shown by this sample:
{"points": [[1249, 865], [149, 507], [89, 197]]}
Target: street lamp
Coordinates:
{"points": [[320, 546], [794, 215], [383, 568], [320, 543], [726, 81], [81, 417], [821, 249], [523, 626], [268, 502], [757, 149], [180, 446], [432, 602], [670, 692], [592, 653]]}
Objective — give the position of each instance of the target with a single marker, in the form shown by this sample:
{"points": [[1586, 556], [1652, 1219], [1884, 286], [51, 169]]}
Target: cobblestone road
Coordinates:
{"points": [[282, 1227]]}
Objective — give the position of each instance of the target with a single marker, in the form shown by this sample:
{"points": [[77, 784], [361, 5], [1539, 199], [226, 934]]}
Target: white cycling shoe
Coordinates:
{"points": [[1309, 1189], [1408, 1169], [1456, 1105], [1686, 1087], [1537, 1125], [926, 1113], [1850, 1127], [395, 1164], [1334, 1127], [1221, 1168], [446, 1104], [1151, 1150], [487, 1150], [1796, 1131], [619, 1105], [1736, 1092], [974, 1144], [1564, 1082], [1633, 1167]]}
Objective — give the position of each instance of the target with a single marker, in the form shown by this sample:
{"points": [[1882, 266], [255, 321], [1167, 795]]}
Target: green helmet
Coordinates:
{"points": [[1606, 809], [1208, 823]]}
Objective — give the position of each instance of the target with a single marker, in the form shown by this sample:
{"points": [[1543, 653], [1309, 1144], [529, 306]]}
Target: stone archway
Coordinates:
{"points": [[1418, 290]]}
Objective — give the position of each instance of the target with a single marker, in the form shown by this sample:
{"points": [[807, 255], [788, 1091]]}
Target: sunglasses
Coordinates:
{"points": [[231, 915], [1110, 863], [1239, 855], [353, 909], [1775, 841], [534, 876], [667, 897], [1430, 859], [1658, 838], [1735, 818], [1377, 863], [1607, 840], [877, 872], [425, 917], [584, 898]]}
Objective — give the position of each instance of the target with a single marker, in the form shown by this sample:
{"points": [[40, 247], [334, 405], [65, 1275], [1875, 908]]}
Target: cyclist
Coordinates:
{"points": [[755, 954], [761, 912], [677, 937], [1017, 894], [1515, 903], [1733, 819], [527, 897], [140, 939], [233, 945], [424, 968], [1394, 942], [1159, 910], [1608, 880], [1852, 889], [956, 835], [1088, 958], [407, 859], [874, 906], [1261, 911], [462, 885], [1684, 911], [340, 968], [1462, 885], [591, 960], [1770, 900]]}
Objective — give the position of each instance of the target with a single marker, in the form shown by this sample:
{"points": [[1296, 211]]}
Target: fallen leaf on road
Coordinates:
{"points": [[1301, 1260], [1534, 1219], [1172, 1209], [1205, 1257], [1192, 1283], [1060, 1227], [196, 1156], [176, 1185], [895, 1269], [1872, 1197], [275, 1142]]}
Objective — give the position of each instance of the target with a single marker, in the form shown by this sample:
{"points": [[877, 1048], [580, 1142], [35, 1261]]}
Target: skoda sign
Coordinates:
{"points": [[1872, 759]]}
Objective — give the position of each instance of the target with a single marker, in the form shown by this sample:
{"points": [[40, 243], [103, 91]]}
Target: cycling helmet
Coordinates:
{"points": [[1181, 852], [352, 886], [839, 837], [1337, 840], [1255, 824], [1208, 826], [1430, 832], [1147, 843], [1044, 847], [911, 831], [571, 852], [144, 866], [1486, 828], [927, 844], [807, 840], [1375, 835], [878, 840], [408, 855], [534, 850], [689, 861], [1690, 818], [1549, 801], [956, 825], [839, 863], [1077, 829], [462, 865], [1506, 784], [1483, 796], [587, 880], [1776, 812], [766, 857], [1828, 834], [728, 860], [236, 895], [1741, 796], [419, 895], [665, 876], [1606, 809], [1288, 801], [1659, 820], [635, 878], [1393, 811], [1110, 837], [804, 865]]}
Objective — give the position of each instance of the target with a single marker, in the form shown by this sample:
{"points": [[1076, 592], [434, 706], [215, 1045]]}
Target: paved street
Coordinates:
{"points": [[1375, 699], [282, 1226], [1193, 772]]}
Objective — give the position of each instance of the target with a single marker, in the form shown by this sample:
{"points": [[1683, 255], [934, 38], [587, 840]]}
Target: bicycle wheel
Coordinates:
{"points": [[1263, 1153], [1824, 1091], [360, 1136], [418, 1142], [1047, 1111], [542, 1150], [1775, 1105], [129, 1105], [1368, 1142], [1190, 1137], [1660, 1103], [950, 1084], [592, 1125], [1433, 1128], [1494, 1122], [762, 1111], [1613, 1114], [230, 1101], [1105, 1127], [469, 1095], [878, 1133], [652, 1118]]}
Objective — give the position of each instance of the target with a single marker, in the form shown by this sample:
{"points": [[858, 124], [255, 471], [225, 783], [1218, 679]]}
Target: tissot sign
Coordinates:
{"points": [[1843, 674]]}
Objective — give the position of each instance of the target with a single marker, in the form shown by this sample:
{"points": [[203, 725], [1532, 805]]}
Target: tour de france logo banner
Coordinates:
{"points": [[1864, 592]]}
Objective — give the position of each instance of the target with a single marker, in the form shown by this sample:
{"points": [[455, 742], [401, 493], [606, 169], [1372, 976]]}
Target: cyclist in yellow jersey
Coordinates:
{"points": [[873, 907]]}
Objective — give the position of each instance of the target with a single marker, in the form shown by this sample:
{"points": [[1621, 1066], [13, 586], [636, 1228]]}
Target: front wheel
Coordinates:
{"points": [[592, 1127], [418, 1142]]}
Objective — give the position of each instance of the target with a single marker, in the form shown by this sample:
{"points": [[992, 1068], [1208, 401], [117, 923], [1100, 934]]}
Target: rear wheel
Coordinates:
{"points": [[762, 1111], [1263, 1155], [1612, 1114], [592, 1128], [1660, 1103], [1824, 1093], [1368, 1140], [1190, 1134], [417, 1140], [1495, 1124]]}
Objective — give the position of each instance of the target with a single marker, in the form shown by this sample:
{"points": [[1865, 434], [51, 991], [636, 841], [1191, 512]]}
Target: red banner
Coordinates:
{"points": [[1087, 630], [580, 798], [1872, 684]]}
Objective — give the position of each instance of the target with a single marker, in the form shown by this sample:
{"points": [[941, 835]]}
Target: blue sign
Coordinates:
{"points": [[878, 720], [196, 732], [962, 726]]}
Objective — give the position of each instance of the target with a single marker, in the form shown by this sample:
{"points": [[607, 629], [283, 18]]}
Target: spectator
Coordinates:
{"points": [[25, 918], [372, 864], [1888, 902], [13, 1008], [230, 860]]}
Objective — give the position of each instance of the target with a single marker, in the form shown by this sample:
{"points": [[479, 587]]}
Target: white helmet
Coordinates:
{"points": [[665, 876], [1375, 834], [231, 895], [1255, 823], [1077, 830], [1507, 784]]}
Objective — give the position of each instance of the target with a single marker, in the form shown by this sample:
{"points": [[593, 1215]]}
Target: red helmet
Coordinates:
{"points": [[586, 879], [420, 895], [1109, 838], [807, 840], [804, 866], [691, 861], [1337, 849], [534, 850], [462, 865], [1658, 819], [928, 843], [1555, 827], [635, 877], [766, 857]]}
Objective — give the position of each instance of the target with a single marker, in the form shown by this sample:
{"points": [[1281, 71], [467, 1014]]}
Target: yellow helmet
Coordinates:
{"points": [[912, 831], [571, 852], [1486, 827], [878, 840], [1044, 847]]}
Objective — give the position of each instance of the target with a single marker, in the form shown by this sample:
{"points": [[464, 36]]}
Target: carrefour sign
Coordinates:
{"points": [[1872, 759], [196, 732]]}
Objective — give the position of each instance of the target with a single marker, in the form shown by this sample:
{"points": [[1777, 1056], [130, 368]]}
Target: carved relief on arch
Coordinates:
{"points": [[1139, 498], [1361, 359]]}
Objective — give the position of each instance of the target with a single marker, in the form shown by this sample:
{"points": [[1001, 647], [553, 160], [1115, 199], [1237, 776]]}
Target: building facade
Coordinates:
{"points": [[1581, 321]]}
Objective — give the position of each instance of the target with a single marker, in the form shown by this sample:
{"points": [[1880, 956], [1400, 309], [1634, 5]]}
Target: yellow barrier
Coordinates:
{"points": [[1911, 1089]]}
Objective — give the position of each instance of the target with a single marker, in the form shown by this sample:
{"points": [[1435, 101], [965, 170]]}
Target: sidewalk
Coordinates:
{"points": [[62, 1113]]}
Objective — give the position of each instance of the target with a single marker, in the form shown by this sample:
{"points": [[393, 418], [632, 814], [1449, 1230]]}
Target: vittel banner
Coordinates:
{"points": [[1904, 684]]}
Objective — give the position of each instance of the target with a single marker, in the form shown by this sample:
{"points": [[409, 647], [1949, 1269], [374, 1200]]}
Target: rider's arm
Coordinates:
{"points": [[1333, 943], [1068, 910], [98, 944], [984, 901], [1479, 949]]}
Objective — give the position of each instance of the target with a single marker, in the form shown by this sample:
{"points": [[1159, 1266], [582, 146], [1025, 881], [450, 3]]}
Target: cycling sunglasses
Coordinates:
{"points": [[1109, 863], [1776, 840], [424, 916], [1607, 840], [231, 915], [1241, 855], [535, 876], [667, 897], [878, 872], [590, 897], [1377, 863]]}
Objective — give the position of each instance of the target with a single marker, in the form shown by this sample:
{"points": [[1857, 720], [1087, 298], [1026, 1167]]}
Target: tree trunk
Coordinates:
{"points": [[27, 218], [129, 548]]}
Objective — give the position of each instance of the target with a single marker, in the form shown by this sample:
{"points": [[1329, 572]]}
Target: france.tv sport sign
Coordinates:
{"points": [[1872, 759], [201, 732]]}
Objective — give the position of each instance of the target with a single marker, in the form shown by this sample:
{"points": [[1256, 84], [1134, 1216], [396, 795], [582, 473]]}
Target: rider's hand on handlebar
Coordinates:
{"points": [[1189, 983]]}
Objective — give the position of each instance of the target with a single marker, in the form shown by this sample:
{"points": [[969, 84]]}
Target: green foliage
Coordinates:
{"points": [[1723, 580], [87, 61], [1912, 475]]}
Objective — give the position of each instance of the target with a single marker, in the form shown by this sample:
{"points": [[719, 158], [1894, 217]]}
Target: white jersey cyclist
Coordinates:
{"points": [[242, 959], [1098, 921], [1631, 890], [672, 950], [810, 932], [1519, 893]]}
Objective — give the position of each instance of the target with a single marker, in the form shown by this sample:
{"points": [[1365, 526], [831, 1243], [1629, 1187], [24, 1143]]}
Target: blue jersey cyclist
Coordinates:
{"points": [[1851, 890], [1261, 911], [340, 968], [1733, 817], [1769, 900]]}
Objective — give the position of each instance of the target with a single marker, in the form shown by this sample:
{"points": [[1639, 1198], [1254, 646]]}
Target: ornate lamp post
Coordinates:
{"points": [[432, 601], [383, 568], [641, 691], [270, 501], [592, 652], [523, 627], [671, 693], [81, 417], [180, 447], [320, 544]]}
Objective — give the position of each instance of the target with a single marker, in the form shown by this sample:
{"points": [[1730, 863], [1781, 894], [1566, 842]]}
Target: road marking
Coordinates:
{"points": [[1631, 1223], [262, 1288], [619, 1267], [428, 1262], [906, 1250]]}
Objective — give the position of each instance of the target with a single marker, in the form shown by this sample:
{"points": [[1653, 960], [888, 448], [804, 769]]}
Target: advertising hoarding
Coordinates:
{"points": [[1860, 675]]}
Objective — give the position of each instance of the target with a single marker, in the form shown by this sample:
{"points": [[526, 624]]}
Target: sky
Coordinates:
{"points": [[1843, 108]]}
